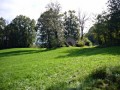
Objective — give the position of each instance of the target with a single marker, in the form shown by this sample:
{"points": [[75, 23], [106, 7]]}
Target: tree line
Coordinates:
{"points": [[106, 30], [53, 28], [19, 33]]}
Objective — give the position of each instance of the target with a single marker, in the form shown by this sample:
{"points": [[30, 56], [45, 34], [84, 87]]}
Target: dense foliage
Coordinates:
{"points": [[2, 32], [107, 78], [106, 30], [19, 33], [54, 29], [50, 28], [71, 25]]}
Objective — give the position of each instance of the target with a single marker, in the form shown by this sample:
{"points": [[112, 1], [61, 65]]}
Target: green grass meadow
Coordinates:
{"points": [[64, 68]]}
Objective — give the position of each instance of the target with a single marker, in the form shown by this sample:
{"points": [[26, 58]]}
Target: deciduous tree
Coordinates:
{"points": [[2, 32], [49, 27], [21, 31], [71, 25]]}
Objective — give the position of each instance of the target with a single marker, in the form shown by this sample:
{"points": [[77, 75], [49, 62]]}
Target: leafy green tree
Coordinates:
{"points": [[49, 27], [99, 32], [71, 25], [102, 31], [2, 32], [114, 22], [114, 6], [91, 35], [21, 31], [106, 30]]}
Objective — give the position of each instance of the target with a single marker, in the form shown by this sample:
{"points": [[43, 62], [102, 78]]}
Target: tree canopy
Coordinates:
{"points": [[49, 27], [53, 28], [71, 25], [19, 33], [106, 30], [2, 32]]}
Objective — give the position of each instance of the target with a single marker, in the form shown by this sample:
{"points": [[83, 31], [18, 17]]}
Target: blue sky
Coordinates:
{"points": [[9, 9]]}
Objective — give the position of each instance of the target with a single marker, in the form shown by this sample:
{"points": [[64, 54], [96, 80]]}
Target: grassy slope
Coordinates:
{"points": [[63, 68]]}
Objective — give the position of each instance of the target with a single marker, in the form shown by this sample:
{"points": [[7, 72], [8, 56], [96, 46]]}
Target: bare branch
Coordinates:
{"points": [[82, 18]]}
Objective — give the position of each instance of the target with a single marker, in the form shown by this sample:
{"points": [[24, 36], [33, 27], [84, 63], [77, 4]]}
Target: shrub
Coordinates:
{"points": [[80, 44], [104, 79], [87, 42], [99, 74], [84, 42]]}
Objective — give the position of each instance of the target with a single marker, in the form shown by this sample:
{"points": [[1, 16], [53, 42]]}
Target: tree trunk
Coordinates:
{"points": [[81, 33]]}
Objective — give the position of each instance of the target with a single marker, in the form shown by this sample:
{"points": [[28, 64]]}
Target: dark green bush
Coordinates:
{"points": [[87, 42], [101, 74], [84, 42], [103, 79], [80, 44]]}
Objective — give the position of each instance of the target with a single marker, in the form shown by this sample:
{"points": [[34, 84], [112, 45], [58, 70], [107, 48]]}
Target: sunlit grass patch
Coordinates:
{"points": [[54, 69]]}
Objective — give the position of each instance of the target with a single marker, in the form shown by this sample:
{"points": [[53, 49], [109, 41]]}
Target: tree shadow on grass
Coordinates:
{"points": [[22, 52], [102, 78], [91, 51]]}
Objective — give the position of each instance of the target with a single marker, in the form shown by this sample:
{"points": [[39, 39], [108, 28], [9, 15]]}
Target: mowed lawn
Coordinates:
{"points": [[54, 69]]}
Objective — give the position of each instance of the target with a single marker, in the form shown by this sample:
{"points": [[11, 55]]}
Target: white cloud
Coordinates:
{"points": [[31, 8]]}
